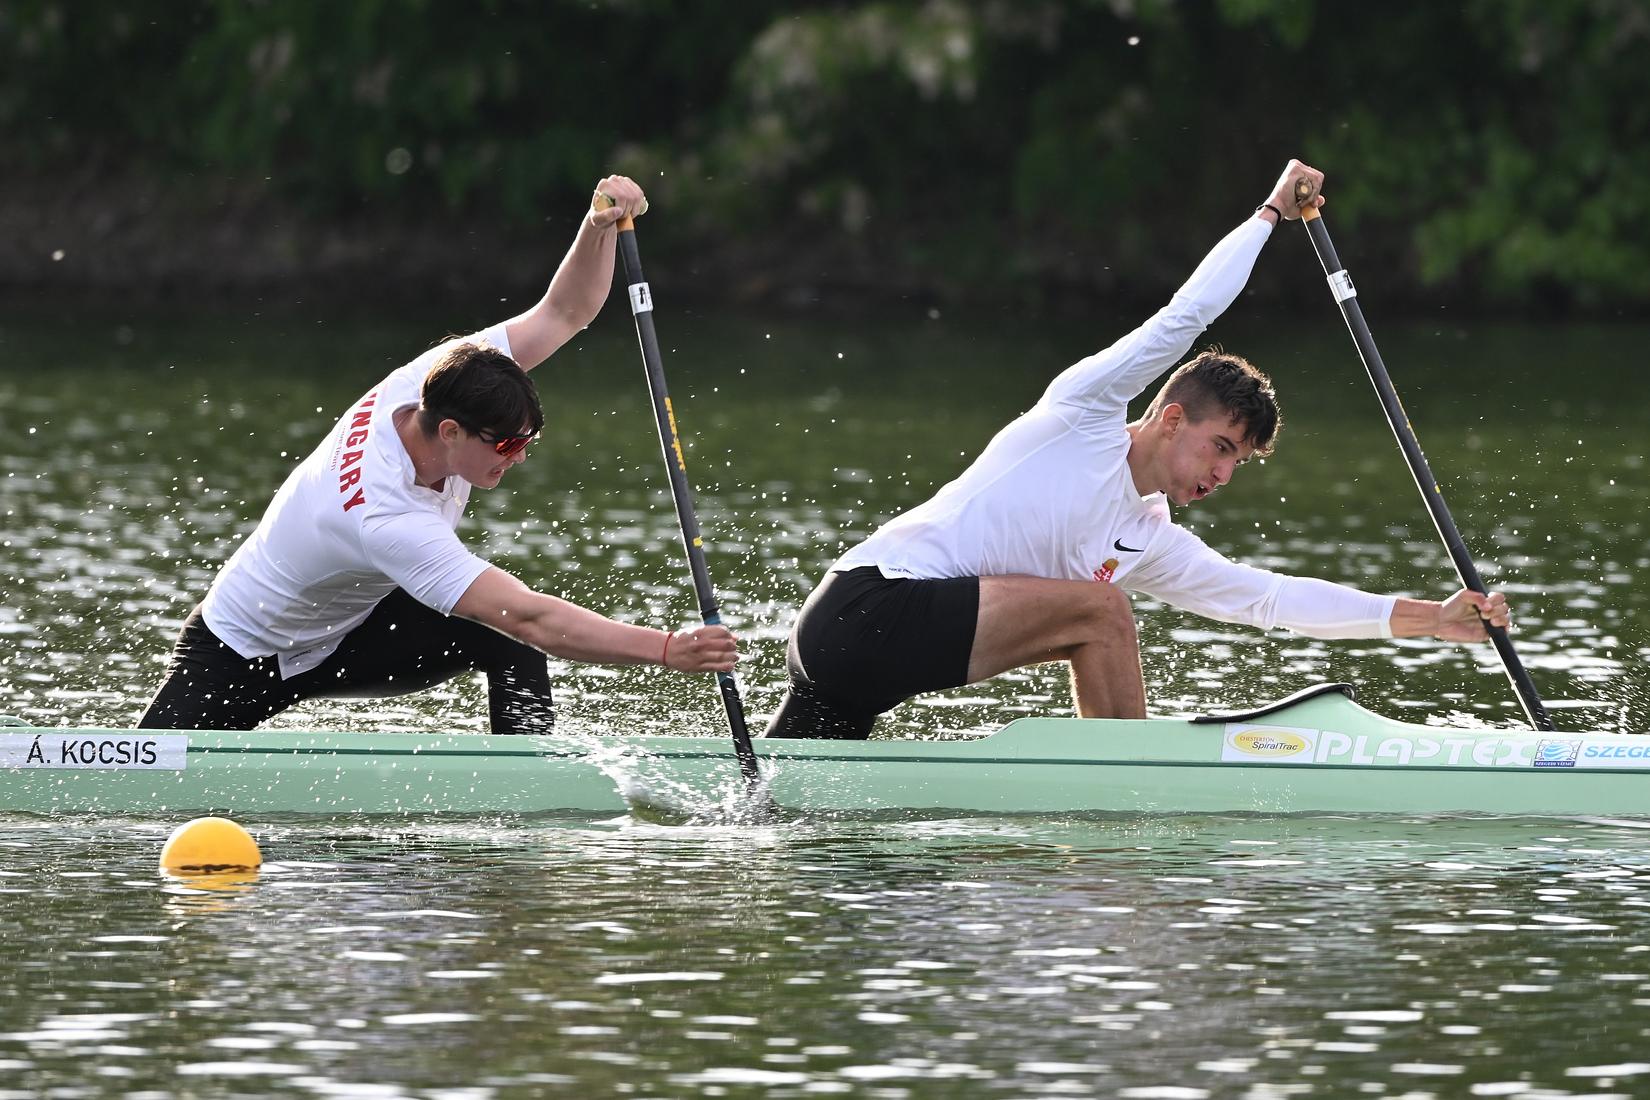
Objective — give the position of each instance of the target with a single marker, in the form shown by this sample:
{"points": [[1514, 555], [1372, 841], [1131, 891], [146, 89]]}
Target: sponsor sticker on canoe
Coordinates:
{"points": [[1365, 750], [1272, 744], [1632, 751], [1263, 744], [1556, 754], [94, 751]]}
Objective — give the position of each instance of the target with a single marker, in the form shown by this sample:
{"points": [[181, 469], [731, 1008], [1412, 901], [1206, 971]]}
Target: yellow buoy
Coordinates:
{"points": [[208, 845]]}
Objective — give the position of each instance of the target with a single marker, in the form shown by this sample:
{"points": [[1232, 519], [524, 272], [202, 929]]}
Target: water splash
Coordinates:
{"points": [[656, 793], [660, 799]]}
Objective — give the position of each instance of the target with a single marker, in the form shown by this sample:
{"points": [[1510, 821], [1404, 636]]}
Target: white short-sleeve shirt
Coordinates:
{"points": [[349, 526]]}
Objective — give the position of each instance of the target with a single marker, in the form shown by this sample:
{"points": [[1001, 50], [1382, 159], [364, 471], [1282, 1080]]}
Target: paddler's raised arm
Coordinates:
{"points": [[580, 285], [1113, 377]]}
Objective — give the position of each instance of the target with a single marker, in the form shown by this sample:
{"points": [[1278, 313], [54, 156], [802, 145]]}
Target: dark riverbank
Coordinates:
{"points": [[953, 153], [140, 239]]}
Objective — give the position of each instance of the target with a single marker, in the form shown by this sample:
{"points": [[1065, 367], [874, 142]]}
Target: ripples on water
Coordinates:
{"points": [[1178, 957], [1153, 958]]}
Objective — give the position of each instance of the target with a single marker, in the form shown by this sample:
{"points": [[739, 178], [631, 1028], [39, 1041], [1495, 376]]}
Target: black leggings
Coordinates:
{"points": [[401, 647]]}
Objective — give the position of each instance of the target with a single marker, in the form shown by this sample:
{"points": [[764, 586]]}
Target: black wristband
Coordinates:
{"points": [[1273, 209]]}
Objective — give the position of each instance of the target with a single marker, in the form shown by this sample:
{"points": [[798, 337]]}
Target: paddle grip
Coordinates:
{"points": [[602, 201], [1304, 193]]}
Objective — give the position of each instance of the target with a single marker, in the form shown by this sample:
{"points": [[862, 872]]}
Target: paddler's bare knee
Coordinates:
{"points": [[1107, 612], [1097, 615]]}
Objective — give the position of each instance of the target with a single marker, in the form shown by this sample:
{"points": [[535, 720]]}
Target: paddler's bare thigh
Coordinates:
{"points": [[1028, 620]]}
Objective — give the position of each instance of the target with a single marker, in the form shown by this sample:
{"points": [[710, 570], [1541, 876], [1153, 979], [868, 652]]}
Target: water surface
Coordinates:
{"points": [[1166, 957], [1169, 957]]}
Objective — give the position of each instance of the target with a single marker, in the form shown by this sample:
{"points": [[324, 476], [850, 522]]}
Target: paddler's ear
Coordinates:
{"points": [[1173, 416]]}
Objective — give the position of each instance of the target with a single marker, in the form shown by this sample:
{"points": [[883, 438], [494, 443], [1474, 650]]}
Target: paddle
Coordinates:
{"points": [[641, 307], [1340, 284]]}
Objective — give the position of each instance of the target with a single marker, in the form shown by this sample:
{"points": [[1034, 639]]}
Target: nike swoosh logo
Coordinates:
{"points": [[1118, 545]]}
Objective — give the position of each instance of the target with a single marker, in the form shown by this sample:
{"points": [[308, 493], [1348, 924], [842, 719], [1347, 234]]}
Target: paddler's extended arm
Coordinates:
{"points": [[564, 629], [581, 283], [1185, 571]]}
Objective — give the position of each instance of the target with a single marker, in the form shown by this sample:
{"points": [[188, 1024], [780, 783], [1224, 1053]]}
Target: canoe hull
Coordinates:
{"points": [[1322, 755]]}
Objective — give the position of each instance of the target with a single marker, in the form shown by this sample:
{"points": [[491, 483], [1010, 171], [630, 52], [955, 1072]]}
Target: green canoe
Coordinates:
{"points": [[1317, 751]]}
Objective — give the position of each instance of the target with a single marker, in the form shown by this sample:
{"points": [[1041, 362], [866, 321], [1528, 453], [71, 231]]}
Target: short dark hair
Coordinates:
{"points": [[483, 389], [1216, 380]]}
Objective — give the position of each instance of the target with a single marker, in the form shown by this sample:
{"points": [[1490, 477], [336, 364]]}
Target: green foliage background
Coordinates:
{"points": [[1492, 151]]}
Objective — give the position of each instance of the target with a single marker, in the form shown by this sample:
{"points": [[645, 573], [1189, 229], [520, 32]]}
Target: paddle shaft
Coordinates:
{"points": [[1340, 284], [641, 307]]}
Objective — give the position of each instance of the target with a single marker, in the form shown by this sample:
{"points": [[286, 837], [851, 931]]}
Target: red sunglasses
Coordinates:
{"points": [[505, 445]]}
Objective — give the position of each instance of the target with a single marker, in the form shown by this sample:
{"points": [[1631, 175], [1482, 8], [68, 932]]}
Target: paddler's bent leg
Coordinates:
{"points": [[209, 686], [1031, 620]]}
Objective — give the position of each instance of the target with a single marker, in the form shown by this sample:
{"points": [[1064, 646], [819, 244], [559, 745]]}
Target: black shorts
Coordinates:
{"points": [[865, 643], [402, 646]]}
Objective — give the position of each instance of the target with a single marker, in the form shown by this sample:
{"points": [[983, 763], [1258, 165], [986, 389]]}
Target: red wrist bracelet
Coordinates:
{"points": [[664, 658]]}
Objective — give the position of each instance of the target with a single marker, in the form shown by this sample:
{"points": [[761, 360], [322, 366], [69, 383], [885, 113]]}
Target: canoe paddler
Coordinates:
{"points": [[1028, 556], [356, 584]]}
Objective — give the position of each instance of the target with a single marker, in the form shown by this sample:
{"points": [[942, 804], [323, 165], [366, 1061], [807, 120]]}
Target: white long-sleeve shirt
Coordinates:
{"points": [[1052, 494]]}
